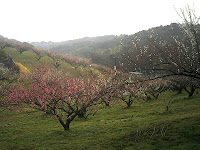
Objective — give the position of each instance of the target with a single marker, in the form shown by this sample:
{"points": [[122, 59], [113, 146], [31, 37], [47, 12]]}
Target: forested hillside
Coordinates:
{"points": [[16, 56], [107, 50], [82, 47]]}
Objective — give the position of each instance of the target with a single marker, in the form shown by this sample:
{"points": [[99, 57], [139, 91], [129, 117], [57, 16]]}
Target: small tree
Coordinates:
{"points": [[38, 53], [155, 87], [75, 61], [184, 83], [56, 57], [8, 70], [5, 43], [8, 74], [131, 91], [124, 90]]}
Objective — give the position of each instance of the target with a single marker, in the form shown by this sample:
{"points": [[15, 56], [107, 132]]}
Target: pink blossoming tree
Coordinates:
{"points": [[59, 96]]}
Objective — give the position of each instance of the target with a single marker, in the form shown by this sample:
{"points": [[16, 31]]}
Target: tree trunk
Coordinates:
{"points": [[107, 103], [179, 91], [167, 108], [69, 120], [130, 101], [191, 92], [65, 126], [82, 113]]}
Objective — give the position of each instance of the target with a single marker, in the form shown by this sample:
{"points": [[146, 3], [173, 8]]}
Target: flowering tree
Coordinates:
{"points": [[64, 98], [22, 47], [134, 90], [123, 89], [75, 61], [38, 53], [8, 69], [184, 83], [8, 74], [181, 57], [56, 57], [155, 87], [72, 60]]}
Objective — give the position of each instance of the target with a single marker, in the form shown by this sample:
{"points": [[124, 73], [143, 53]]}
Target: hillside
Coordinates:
{"points": [[22, 53], [146, 125], [81, 47], [104, 50], [97, 107], [107, 50]]}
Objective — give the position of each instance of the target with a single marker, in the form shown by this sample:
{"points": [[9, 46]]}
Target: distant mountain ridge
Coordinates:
{"points": [[85, 46], [80, 47], [105, 50]]}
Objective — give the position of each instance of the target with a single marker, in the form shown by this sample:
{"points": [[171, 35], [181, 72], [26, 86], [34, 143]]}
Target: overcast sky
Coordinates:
{"points": [[60, 20]]}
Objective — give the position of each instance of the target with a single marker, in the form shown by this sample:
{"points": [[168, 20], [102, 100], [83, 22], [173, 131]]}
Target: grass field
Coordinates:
{"points": [[145, 126]]}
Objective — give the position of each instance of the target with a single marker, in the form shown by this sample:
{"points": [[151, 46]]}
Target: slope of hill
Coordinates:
{"points": [[96, 44], [169, 122], [29, 60], [144, 126], [82, 47], [72, 66], [106, 50]]}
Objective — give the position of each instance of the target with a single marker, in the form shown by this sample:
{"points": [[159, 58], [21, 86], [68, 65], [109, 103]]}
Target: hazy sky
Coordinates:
{"points": [[60, 20]]}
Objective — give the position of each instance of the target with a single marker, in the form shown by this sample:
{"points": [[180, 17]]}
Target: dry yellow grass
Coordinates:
{"points": [[22, 68]]}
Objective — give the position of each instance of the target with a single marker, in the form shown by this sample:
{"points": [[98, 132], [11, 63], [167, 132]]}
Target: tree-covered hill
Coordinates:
{"points": [[82, 47], [107, 50], [24, 54], [146, 125]]}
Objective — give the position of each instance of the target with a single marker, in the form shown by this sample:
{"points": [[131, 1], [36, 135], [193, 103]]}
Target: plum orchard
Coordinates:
{"points": [[72, 60], [62, 97]]}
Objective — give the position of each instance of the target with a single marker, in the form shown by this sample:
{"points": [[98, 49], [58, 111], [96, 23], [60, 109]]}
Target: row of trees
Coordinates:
{"points": [[64, 98], [60, 96], [39, 53], [177, 61]]}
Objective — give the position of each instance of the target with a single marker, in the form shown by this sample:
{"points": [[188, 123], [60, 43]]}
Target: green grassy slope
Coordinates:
{"points": [[145, 126], [28, 59]]}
